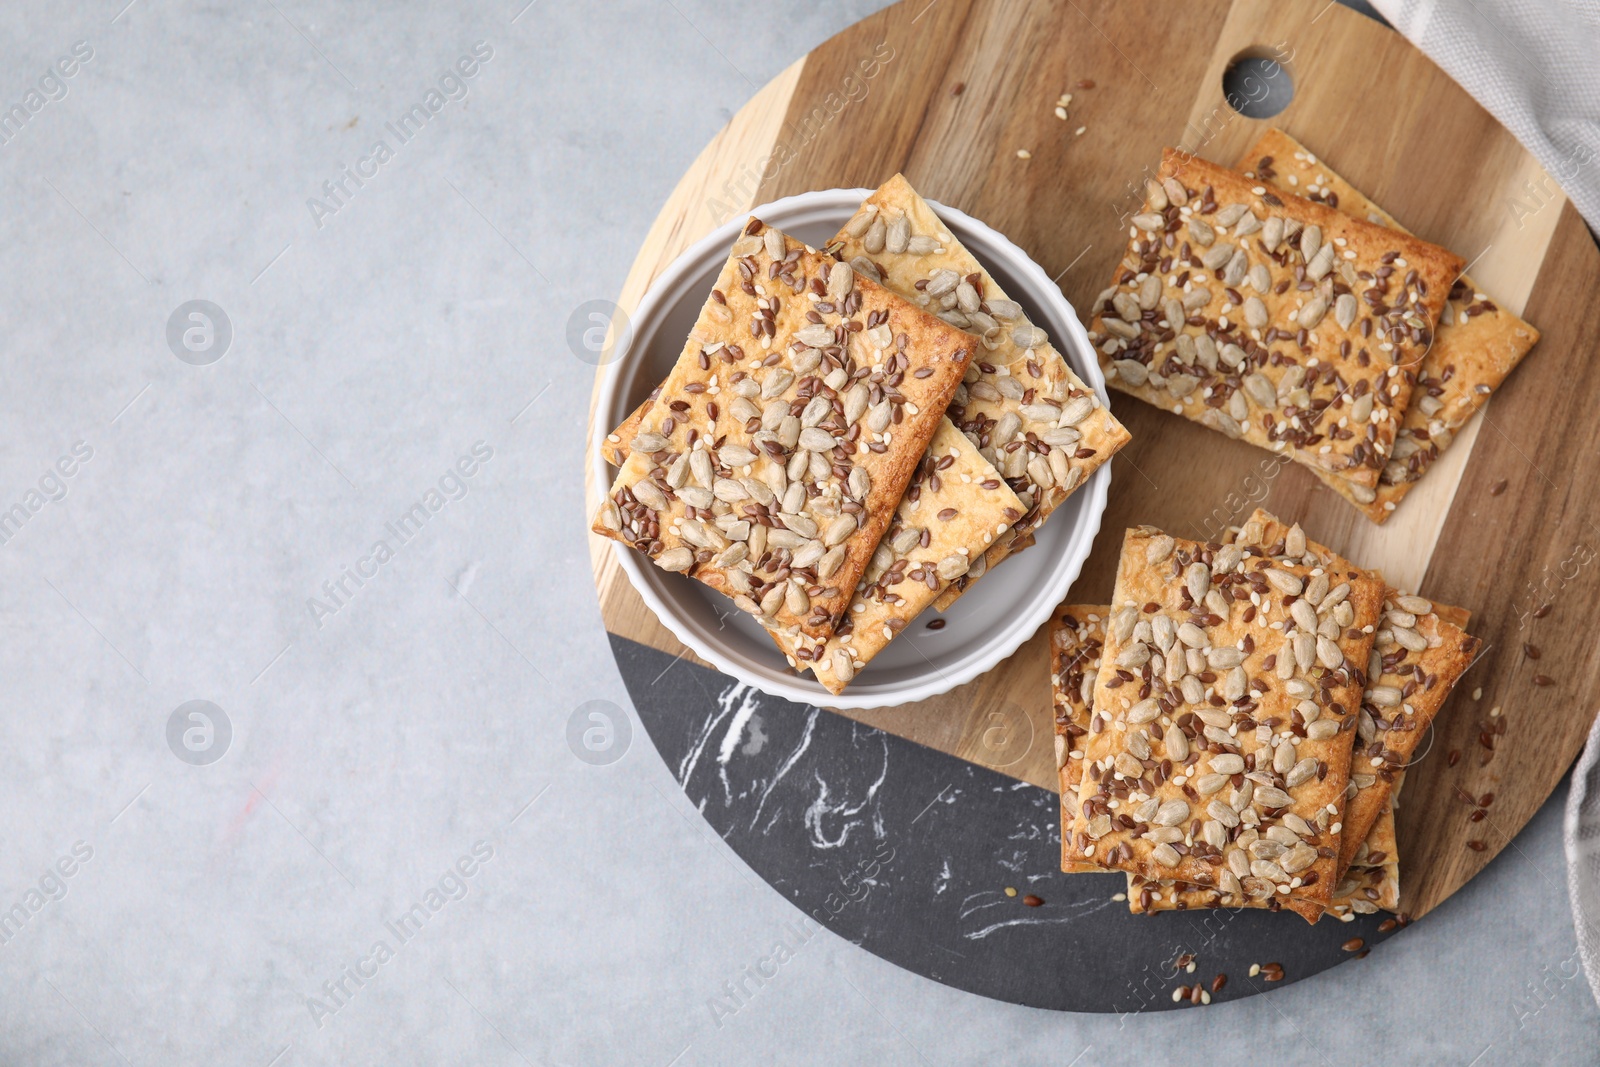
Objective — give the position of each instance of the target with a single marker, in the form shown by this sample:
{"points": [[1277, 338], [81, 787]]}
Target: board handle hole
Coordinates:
{"points": [[1257, 84]]}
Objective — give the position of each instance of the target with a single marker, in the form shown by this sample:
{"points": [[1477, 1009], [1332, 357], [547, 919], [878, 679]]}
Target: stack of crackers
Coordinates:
{"points": [[1280, 306], [1233, 729], [852, 433]]}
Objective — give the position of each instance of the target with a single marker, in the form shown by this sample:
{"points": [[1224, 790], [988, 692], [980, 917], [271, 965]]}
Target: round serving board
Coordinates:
{"points": [[949, 92]]}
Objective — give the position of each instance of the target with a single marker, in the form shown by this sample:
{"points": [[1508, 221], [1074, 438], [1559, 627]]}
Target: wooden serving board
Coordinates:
{"points": [[1504, 525]]}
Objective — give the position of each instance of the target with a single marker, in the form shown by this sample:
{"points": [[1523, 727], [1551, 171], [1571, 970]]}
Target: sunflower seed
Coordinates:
{"points": [[1029, 337], [1321, 264], [844, 668], [860, 483], [1149, 222], [1227, 763], [675, 559], [862, 219], [1255, 313], [1171, 813], [1222, 812], [1314, 309], [735, 455], [873, 240], [898, 235], [1344, 310], [649, 494], [1223, 657], [1144, 711], [1131, 371], [1216, 256], [1201, 231], [1233, 274], [1310, 241], [649, 442], [815, 439], [839, 529], [1272, 233], [1177, 196]]}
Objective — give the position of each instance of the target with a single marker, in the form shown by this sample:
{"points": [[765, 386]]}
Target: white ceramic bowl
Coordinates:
{"points": [[987, 624]]}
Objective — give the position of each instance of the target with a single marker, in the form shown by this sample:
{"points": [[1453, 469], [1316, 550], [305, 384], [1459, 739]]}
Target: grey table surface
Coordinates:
{"points": [[414, 724]]}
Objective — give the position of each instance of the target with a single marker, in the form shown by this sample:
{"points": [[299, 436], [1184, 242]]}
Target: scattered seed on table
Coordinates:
{"points": [[1485, 800], [1023, 153], [1477, 816], [936, 624], [1255, 969], [1477, 694], [1498, 487], [1543, 680], [1544, 609], [1531, 651], [1454, 757], [1387, 925], [1476, 846], [1011, 891], [1218, 982], [958, 88], [1084, 83], [1032, 901], [1355, 944]]}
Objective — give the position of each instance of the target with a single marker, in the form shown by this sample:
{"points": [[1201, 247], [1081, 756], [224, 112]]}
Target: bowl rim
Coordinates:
{"points": [[1041, 290]]}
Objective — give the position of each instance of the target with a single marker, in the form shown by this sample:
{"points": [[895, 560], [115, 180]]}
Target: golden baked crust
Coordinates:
{"points": [[1218, 752], [1077, 636], [1033, 418], [618, 442], [1418, 655], [772, 460], [1477, 343], [1295, 339], [955, 507]]}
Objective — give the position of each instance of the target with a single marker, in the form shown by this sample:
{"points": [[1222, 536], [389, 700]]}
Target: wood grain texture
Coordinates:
{"points": [[1421, 147]]}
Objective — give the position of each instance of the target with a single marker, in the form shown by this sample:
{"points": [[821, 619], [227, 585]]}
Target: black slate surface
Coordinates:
{"points": [[908, 852]]}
